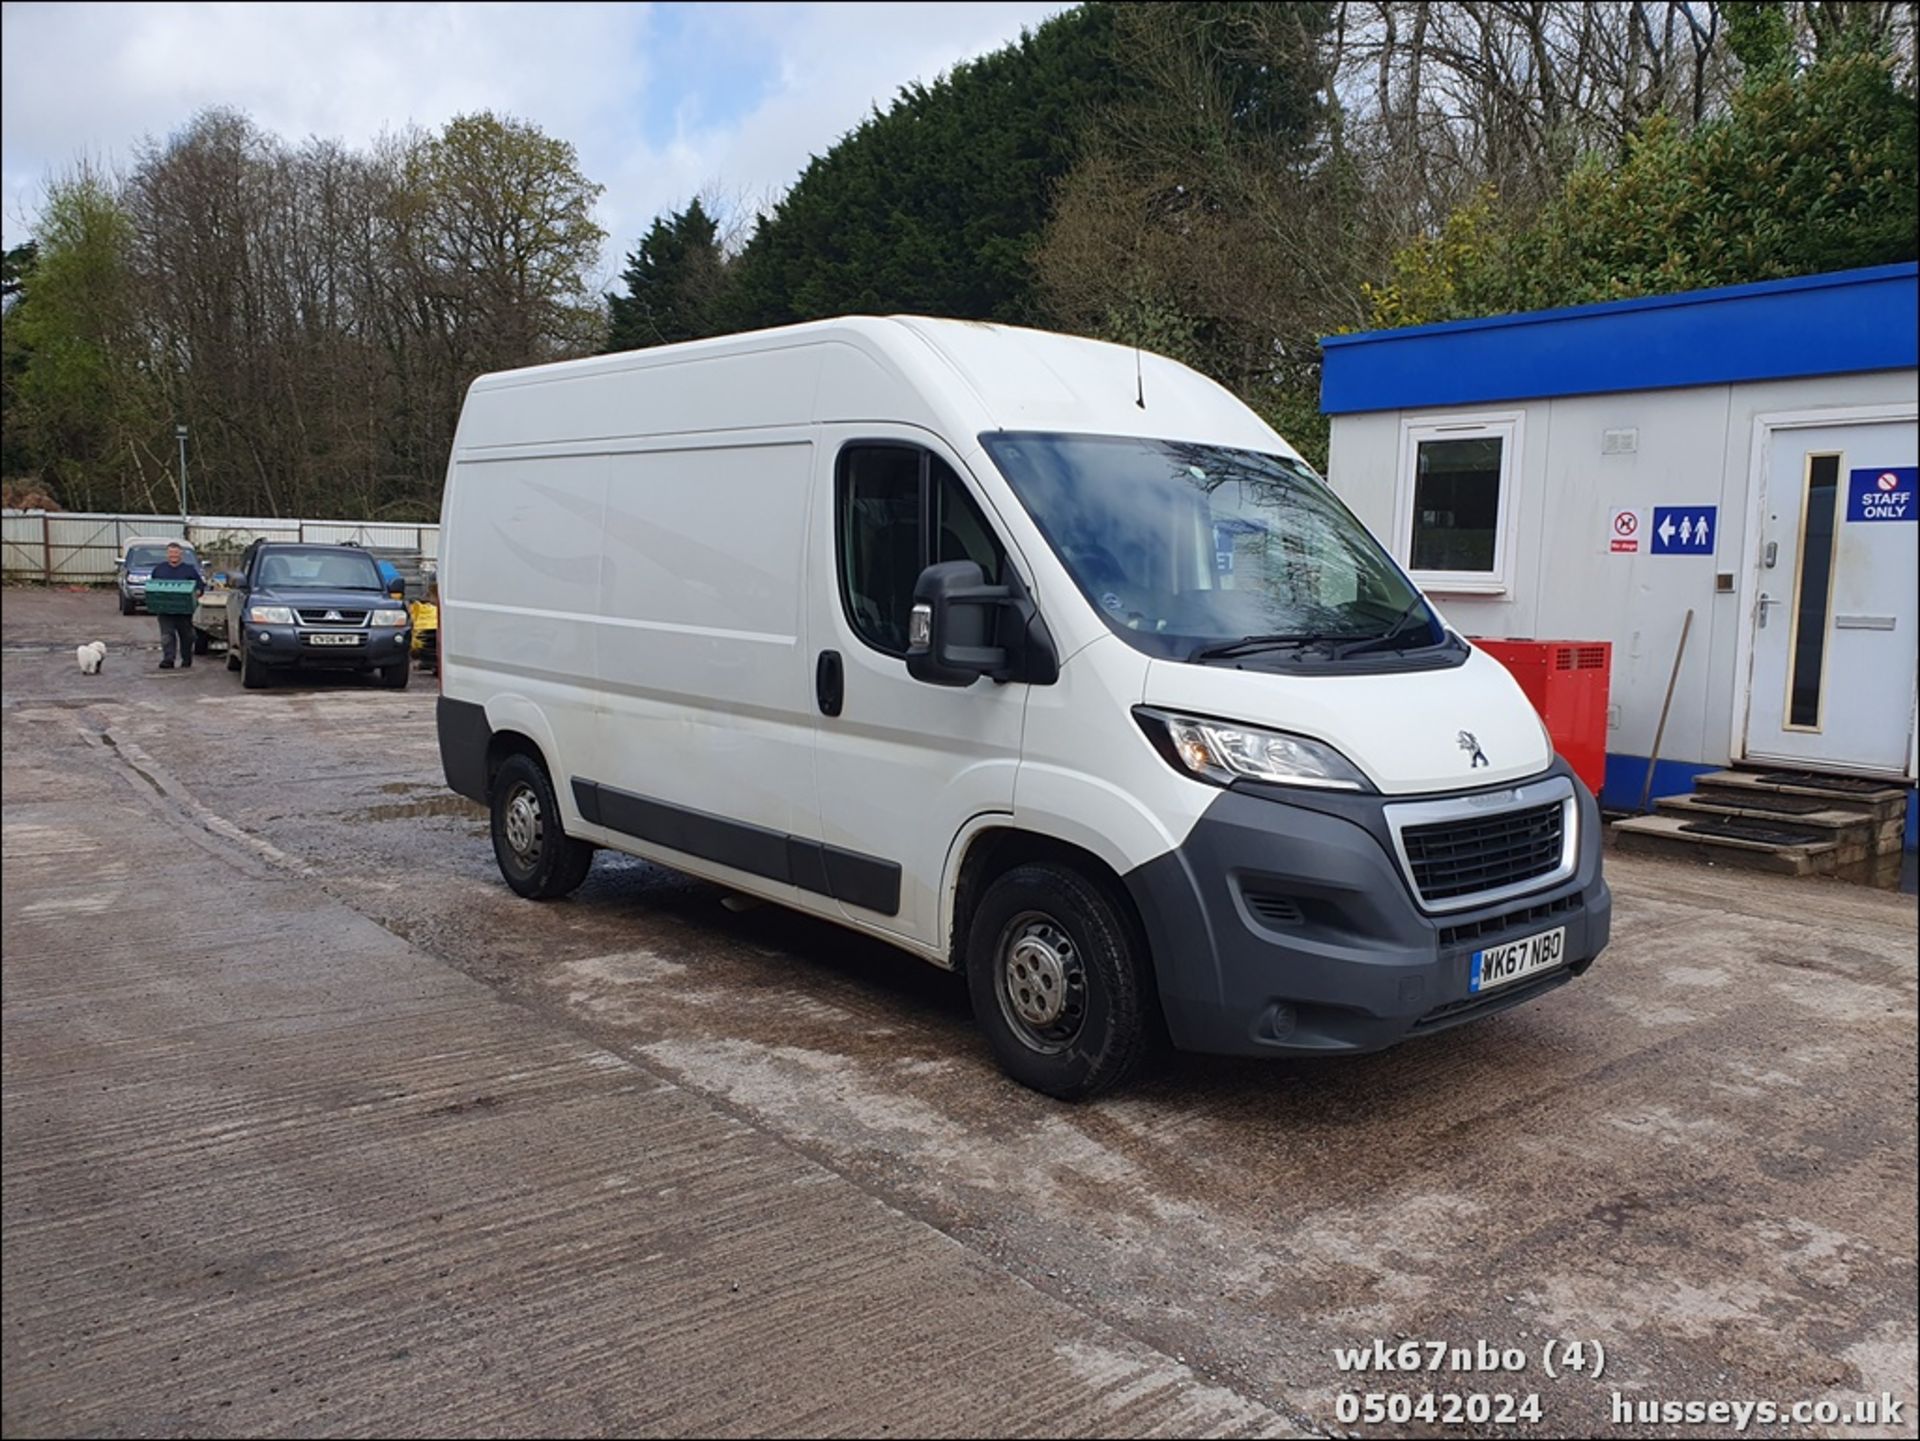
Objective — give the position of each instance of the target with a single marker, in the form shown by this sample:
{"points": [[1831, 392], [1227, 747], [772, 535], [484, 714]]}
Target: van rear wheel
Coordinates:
{"points": [[537, 858], [1059, 982]]}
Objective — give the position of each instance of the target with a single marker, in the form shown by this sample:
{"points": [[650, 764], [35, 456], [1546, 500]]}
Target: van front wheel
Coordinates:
{"points": [[1059, 982], [537, 858]]}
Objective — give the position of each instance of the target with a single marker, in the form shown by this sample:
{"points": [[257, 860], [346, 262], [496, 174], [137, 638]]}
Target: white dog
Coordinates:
{"points": [[90, 656]]}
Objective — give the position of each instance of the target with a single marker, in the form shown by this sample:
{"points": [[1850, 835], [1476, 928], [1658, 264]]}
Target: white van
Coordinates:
{"points": [[1041, 658]]}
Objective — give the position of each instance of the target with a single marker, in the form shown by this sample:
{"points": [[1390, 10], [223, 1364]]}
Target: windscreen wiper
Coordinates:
{"points": [[1249, 644], [1401, 624]]}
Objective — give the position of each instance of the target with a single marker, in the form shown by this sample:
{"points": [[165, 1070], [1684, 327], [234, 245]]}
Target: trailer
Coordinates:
{"points": [[210, 620]]}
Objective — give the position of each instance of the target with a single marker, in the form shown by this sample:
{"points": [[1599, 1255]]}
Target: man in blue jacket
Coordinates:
{"points": [[177, 629]]}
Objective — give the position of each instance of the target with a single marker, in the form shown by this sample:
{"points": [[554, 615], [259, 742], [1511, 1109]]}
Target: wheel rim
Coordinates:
{"points": [[520, 823], [1041, 982]]}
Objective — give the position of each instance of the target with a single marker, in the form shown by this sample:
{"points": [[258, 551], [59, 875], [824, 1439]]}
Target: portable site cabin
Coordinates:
{"points": [[1593, 473]]}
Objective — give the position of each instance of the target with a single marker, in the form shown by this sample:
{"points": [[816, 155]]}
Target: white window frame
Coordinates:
{"points": [[1510, 426]]}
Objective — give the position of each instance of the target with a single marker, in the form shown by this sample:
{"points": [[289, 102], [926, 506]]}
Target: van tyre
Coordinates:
{"points": [[537, 858], [1060, 982]]}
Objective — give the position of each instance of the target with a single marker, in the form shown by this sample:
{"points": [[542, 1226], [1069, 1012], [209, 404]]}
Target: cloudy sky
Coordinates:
{"points": [[662, 100]]}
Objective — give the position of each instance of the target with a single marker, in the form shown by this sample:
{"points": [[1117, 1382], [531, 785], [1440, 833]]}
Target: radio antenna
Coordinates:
{"points": [[1139, 380]]}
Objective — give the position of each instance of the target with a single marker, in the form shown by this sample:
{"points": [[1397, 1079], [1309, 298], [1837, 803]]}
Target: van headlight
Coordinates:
{"points": [[389, 617], [270, 614], [1223, 752]]}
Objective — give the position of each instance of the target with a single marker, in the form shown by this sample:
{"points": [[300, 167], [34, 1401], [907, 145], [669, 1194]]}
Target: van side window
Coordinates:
{"points": [[879, 527], [899, 509], [960, 531]]}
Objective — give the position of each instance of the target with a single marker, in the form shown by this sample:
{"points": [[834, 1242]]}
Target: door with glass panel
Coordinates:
{"points": [[900, 766], [1834, 619]]}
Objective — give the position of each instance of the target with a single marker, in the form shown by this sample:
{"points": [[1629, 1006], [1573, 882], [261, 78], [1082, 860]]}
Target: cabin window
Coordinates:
{"points": [[1457, 479], [898, 510]]}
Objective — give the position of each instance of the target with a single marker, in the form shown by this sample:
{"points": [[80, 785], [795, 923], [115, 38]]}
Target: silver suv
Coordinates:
{"points": [[136, 563]]}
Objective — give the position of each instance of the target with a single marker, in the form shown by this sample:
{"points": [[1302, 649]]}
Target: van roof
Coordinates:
{"points": [[969, 376]]}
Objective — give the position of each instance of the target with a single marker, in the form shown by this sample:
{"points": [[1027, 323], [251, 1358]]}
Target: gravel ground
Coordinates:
{"points": [[1701, 1155]]}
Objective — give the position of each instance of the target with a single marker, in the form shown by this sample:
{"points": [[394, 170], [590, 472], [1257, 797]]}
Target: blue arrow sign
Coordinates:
{"points": [[1684, 529]]}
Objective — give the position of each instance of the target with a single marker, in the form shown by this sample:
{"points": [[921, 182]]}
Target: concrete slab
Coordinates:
{"points": [[270, 1170]]}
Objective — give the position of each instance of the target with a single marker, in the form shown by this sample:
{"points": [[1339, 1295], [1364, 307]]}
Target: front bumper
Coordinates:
{"points": [[1287, 927], [292, 645]]}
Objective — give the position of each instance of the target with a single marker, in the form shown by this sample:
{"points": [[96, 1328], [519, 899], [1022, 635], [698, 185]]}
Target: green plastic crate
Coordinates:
{"points": [[170, 597]]}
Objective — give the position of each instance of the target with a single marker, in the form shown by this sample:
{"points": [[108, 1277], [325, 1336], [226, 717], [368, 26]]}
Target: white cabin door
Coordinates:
{"points": [[1834, 623]]}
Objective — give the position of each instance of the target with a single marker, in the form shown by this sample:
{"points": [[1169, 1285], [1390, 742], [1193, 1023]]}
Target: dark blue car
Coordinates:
{"points": [[322, 607]]}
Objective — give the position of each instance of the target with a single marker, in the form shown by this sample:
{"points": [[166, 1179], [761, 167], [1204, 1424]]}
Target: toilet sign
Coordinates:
{"points": [[1882, 493], [1684, 529]]}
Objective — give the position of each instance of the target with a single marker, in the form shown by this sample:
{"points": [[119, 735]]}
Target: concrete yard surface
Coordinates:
{"points": [[312, 1127]]}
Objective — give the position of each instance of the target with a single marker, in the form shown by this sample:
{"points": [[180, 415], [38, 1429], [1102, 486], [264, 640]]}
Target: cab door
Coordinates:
{"points": [[899, 766]]}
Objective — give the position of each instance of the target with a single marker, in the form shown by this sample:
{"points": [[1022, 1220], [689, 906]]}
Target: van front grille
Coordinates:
{"points": [[1474, 855], [1527, 917]]}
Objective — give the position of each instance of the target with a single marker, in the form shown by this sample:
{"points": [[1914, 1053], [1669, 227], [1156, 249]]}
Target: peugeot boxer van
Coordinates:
{"points": [[1043, 659]]}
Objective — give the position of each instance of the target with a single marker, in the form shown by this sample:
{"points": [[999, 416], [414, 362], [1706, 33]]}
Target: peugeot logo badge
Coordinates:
{"points": [[335, 615], [1472, 747]]}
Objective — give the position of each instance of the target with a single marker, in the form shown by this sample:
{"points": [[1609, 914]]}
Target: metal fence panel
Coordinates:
{"points": [[377, 537], [21, 550], [79, 548]]}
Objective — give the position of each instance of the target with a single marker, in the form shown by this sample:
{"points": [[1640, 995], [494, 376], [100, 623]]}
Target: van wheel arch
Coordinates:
{"points": [[505, 744], [999, 849]]}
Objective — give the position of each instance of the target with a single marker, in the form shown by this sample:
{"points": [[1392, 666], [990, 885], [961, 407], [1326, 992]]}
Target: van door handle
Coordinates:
{"points": [[829, 682]]}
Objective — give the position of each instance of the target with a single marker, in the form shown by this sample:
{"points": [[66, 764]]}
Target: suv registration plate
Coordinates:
{"points": [[333, 638]]}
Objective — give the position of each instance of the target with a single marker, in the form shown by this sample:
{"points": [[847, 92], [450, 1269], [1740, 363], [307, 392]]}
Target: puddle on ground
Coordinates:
{"points": [[433, 806]]}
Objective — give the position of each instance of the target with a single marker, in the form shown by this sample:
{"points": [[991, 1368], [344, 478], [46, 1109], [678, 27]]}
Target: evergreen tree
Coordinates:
{"points": [[675, 283], [935, 204]]}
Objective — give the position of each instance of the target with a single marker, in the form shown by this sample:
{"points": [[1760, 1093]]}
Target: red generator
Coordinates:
{"points": [[1567, 682]]}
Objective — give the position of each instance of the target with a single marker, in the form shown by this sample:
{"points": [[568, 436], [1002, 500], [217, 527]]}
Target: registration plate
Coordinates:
{"points": [[326, 638], [1502, 965]]}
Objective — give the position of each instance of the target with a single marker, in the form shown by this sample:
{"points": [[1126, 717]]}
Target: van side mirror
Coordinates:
{"points": [[961, 628], [950, 630]]}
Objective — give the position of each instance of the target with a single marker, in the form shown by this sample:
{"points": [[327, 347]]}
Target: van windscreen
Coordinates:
{"points": [[1191, 551]]}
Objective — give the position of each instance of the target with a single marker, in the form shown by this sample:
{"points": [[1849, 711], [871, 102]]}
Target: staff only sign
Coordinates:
{"points": [[1882, 494]]}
